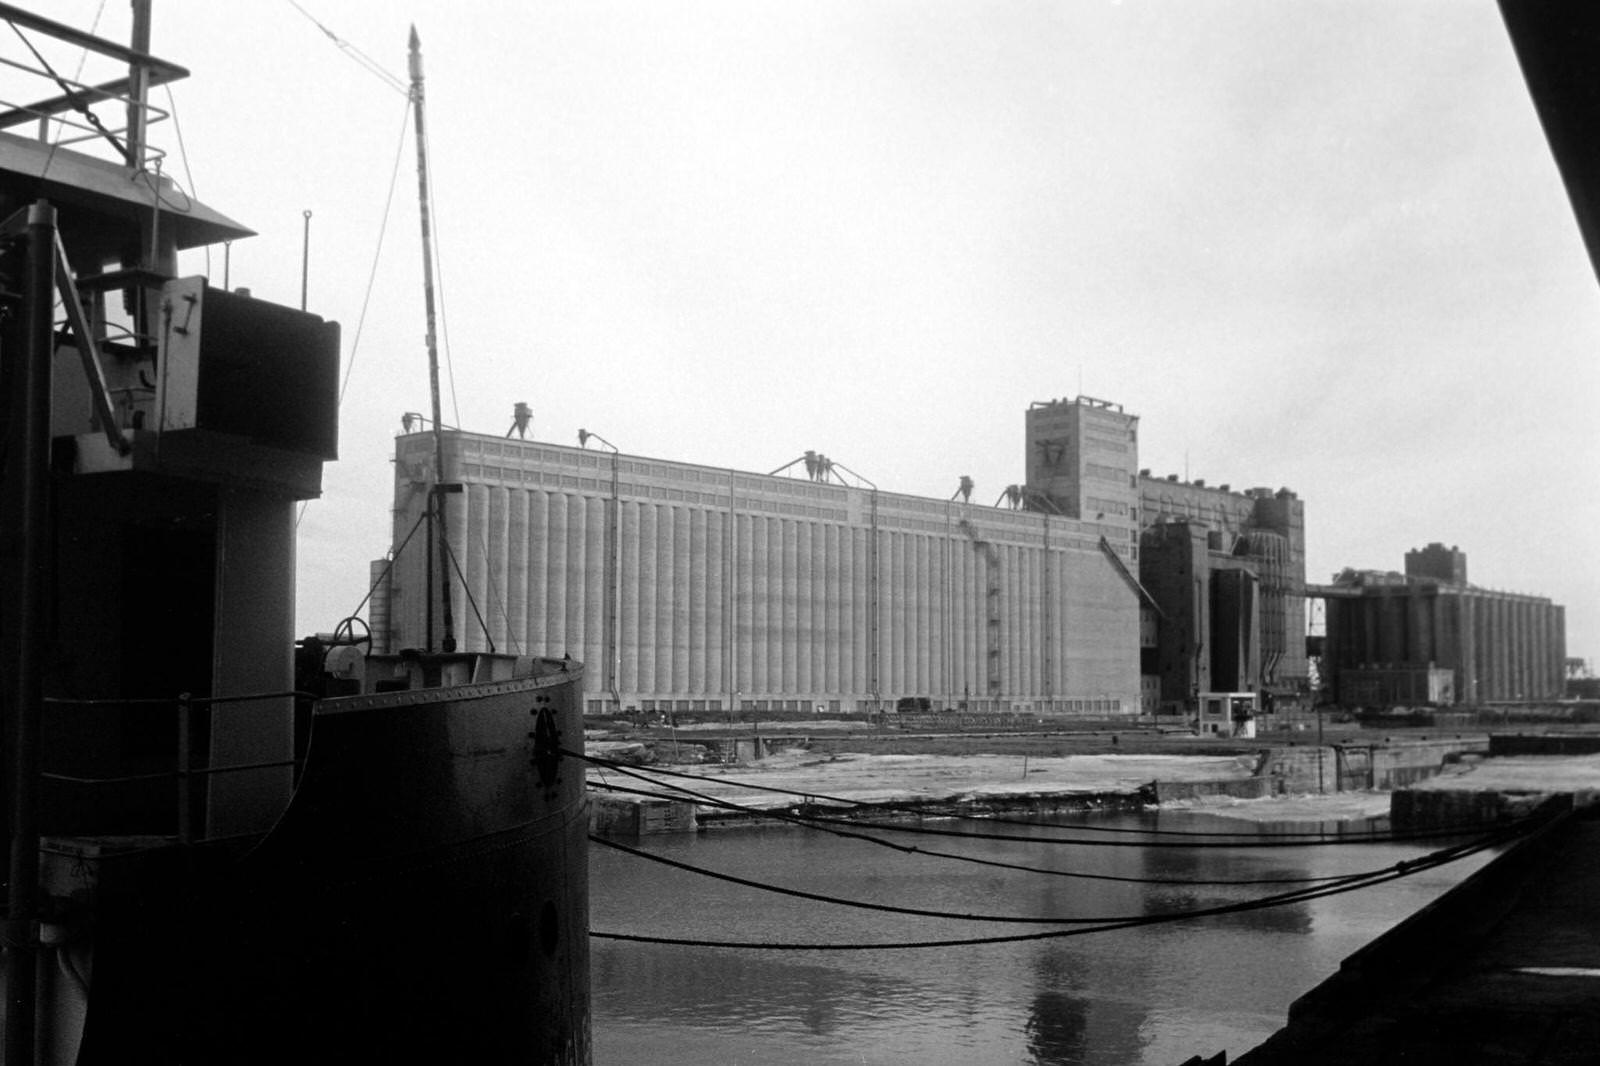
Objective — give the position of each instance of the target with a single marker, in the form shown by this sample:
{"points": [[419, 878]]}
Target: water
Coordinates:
{"points": [[1156, 994]]}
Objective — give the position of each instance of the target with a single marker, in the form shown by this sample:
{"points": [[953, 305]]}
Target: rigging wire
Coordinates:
{"points": [[388, 565], [472, 601], [886, 908], [372, 279], [383, 229], [183, 157], [497, 601], [361, 59], [74, 99], [1400, 870], [1248, 841], [906, 849]]}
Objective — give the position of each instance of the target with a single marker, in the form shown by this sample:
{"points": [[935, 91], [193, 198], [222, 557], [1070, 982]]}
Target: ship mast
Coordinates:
{"points": [[436, 492]]}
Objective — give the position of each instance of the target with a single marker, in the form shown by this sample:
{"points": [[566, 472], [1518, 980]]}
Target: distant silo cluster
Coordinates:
{"points": [[1429, 636]]}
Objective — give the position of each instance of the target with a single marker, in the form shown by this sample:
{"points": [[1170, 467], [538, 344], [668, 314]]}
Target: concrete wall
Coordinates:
{"points": [[1349, 767]]}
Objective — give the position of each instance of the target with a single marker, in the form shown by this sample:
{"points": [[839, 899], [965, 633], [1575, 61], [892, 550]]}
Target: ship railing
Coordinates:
{"points": [[184, 772], [135, 74], [62, 113]]}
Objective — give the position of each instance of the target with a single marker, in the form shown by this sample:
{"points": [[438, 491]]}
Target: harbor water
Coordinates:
{"points": [[1151, 994]]}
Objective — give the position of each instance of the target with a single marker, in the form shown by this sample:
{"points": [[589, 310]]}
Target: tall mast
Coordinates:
{"points": [[436, 495], [139, 87]]}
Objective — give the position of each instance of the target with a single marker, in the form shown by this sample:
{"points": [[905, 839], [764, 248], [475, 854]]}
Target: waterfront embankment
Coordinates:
{"points": [[739, 778]]}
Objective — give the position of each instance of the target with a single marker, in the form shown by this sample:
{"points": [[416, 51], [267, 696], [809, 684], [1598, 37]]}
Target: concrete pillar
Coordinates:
{"points": [[838, 635], [681, 595], [906, 621], [1033, 622], [699, 633], [596, 643], [1519, 609], [628, 582], [1541, 651], [649, 619], [717, 614], [891, 616], [1557, 652], [538, 592], [555, 577], [1558, 642], [1369, 630], [822, 637], [805, 641], [787, 621], [1501, 640], [666, 599], [1483, 649], [518, 538], [919, 657], [493, 604], [961, 584], [1474, 607], [1461, 607], [777, 609], [1510, 635], [1418, 643], [760, 602], [841, 590], [746, 568], [1013, 646], [577, 566], [860, 607], [1537, 686]]}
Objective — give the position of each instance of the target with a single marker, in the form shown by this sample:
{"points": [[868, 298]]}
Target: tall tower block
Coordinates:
{"points": [[1083, 456]]}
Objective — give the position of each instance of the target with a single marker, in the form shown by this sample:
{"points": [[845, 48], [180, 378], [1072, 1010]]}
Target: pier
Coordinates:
{"points": [[1504, 969]]}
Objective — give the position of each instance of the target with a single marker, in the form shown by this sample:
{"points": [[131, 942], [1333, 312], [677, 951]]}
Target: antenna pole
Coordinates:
{"points": [[447, 642], [305, 258]]}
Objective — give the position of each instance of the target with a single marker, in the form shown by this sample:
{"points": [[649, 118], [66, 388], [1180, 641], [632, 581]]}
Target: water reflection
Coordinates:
{"points": [[1059, 1017], [1156, 994]]}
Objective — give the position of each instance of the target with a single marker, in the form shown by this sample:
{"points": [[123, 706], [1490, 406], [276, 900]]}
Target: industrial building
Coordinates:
{"points": [[695, 588], [1228, 570], [1428, 636]]}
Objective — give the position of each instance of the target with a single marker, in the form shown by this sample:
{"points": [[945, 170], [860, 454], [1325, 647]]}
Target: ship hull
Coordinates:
{"points": [[425, 894]]}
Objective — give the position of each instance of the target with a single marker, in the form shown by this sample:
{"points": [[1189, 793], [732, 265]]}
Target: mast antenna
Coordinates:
{"points": [[447, 642]]}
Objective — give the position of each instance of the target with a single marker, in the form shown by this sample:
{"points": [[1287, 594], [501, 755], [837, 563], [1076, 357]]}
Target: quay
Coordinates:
{"points": [[872, 775], [1502, 970]]}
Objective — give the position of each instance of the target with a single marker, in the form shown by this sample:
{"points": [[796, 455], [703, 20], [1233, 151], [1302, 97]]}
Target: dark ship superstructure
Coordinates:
{"points": [[214, 855]]}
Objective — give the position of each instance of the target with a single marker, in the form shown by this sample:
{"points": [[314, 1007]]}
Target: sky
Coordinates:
{"points": [[1313, 245]]}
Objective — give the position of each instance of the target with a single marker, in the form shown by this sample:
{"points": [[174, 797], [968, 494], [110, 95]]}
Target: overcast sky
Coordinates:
{"points": [[1320, 246]]}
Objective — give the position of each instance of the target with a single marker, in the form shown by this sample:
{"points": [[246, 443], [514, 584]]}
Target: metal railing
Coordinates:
{"points": [[184, 773]]}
